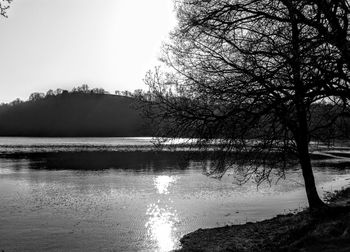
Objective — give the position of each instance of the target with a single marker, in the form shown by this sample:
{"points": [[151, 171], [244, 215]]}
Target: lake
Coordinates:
{"points": [[113, 194]]}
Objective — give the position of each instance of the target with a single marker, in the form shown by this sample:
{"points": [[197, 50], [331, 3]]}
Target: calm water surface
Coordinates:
{"points": [[84, 195]]}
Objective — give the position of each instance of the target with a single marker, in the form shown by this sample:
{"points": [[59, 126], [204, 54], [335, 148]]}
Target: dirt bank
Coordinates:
{"points": [[325, 230]]}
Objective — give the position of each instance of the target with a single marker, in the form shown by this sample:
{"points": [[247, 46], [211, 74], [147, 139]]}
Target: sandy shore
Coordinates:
{"points": [[324, 230]]}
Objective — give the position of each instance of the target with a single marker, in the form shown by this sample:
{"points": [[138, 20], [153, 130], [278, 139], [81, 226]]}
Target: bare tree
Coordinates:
{"points": [[330, 18], [16, 102], [98, 91], [36, 96], [4, 6], [58, 91], [50, 92], [249, 74]]}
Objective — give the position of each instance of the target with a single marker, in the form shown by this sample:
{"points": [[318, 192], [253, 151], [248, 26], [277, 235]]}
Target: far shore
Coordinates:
{"points": [[324, 230]]}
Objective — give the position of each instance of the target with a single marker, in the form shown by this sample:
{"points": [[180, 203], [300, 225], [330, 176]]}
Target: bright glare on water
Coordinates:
{"points": [[130, 201], [161, 226], [163, 182]]}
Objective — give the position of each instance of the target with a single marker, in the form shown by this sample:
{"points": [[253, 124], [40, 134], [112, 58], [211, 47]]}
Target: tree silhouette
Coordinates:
{"points": [[4, 6], [331, 21], [36, 96], [249, 74]]}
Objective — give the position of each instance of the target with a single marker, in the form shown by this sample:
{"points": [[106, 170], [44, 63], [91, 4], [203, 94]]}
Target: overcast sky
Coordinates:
{"points": [[49, 44]]}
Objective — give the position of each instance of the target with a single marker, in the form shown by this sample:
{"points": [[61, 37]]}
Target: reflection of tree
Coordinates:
{"points": [[101, 157]]}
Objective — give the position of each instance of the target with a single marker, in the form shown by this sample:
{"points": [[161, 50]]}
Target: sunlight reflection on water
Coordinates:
{"points": [[163, 182], [161, 226], [162, 218]]}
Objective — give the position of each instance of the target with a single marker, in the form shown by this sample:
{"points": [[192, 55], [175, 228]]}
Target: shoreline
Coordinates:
{"points": [[324, 230]]}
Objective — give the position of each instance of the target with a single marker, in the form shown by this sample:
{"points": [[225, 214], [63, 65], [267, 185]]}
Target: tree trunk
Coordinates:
{"points": [[301, 133], [309, 180]]}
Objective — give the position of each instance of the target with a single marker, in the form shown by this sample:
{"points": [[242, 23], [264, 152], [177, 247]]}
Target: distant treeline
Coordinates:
{"points": [[328, 120], [94, 112], [83, 89], [80, 112]]}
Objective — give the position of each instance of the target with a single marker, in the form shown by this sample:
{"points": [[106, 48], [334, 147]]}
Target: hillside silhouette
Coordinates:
{"points": [[74, 115]]}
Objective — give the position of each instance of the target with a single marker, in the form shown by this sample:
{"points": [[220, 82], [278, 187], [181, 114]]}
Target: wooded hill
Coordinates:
{"points": [[87, 113], [73, 114]]}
